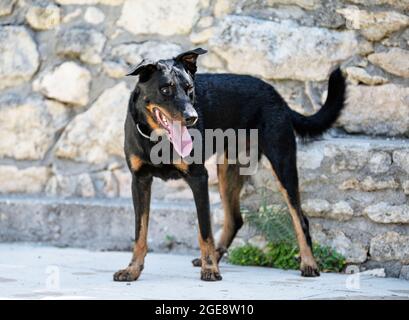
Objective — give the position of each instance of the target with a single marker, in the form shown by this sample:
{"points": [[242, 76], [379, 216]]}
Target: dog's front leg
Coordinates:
{"points": [[141, 194], [199, 185]]}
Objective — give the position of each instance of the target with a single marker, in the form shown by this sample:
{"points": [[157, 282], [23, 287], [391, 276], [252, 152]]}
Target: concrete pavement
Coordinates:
{"points": [[36, 272]]}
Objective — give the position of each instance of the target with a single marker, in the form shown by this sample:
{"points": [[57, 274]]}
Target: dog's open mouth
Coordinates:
{"points": [[177, 133]]}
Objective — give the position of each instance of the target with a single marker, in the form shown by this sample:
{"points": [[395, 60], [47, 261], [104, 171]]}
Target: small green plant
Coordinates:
{"points": [[328, 259], [274, 223], [285, 255], [170, 241], [247, 255]]}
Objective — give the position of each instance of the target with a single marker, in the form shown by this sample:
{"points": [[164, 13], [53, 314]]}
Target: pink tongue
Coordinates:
{"points": [[181, 139]]}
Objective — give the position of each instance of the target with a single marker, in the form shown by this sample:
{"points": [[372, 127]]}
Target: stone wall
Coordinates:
{"points": [[63, 99]]}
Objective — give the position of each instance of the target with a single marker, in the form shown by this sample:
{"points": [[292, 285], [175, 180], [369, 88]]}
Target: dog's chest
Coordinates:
{"points": [[165, 172]]}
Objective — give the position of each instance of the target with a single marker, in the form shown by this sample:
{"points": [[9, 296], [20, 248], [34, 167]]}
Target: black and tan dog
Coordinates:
{"points": [[169, 91]]}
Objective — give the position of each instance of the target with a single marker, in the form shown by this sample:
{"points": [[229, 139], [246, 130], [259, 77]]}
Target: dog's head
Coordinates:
{"points": [[166, 90]]}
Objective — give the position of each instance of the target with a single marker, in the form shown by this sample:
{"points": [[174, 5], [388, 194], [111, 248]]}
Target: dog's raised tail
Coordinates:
{"points": [[316, 124]]}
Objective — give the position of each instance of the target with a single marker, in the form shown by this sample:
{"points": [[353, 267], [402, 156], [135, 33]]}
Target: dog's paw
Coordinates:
{"points": [[210, 275], [219, 255], [197, 262], [309, 269], [131, 273]]}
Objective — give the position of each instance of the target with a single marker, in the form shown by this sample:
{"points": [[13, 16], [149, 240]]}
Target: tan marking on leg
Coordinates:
{"points": [[136, 162], [141, 247], [305, 251], [230, 184], [210, 268], [134, 269]]}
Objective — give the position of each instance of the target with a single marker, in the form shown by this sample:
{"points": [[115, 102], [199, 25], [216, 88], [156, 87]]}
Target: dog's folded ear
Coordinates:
{"points": [[189, 58], [144, 70]]}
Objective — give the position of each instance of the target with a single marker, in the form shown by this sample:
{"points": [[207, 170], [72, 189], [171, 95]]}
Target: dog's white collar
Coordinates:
{"points": [[141, 133]]}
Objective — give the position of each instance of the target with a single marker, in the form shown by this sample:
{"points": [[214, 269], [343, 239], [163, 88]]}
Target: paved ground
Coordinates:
{"points": [[37, 272]]}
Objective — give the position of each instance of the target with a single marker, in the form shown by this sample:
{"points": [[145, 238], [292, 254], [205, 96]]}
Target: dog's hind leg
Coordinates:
{"points": [[141, 194], [230, 184], [282, 155]]}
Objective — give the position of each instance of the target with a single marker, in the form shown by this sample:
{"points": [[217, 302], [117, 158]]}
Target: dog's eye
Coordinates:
{"points": [[191, 95], [166, 91], [190, 91]]}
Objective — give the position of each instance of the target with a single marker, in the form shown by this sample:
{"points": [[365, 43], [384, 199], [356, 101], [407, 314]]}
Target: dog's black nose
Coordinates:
{"points": [[190, 117], [190, 121]]}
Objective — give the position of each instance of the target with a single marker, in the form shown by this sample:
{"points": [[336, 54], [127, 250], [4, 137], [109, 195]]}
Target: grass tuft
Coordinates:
{"points": [[274, 223]]}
